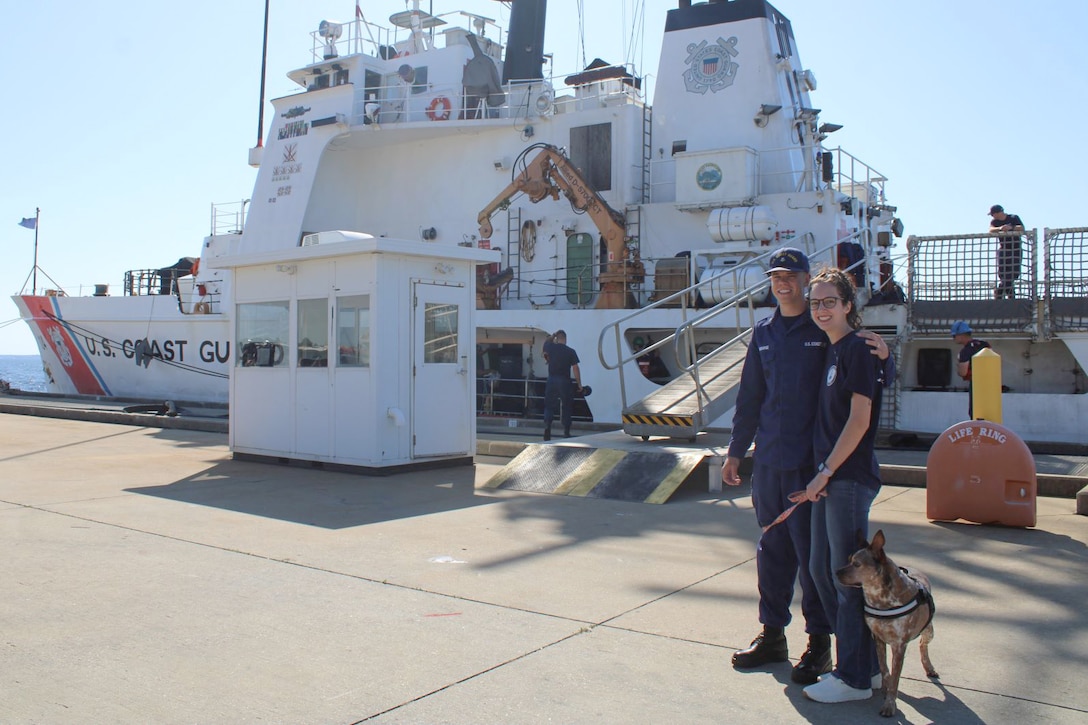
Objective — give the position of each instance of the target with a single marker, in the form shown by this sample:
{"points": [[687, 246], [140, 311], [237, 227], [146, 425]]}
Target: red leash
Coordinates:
{"points": [[782, 516]]}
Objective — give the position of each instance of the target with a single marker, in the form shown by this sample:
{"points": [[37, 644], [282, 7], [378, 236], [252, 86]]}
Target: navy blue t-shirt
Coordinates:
{"points": [[850, 368], [560, 359]]}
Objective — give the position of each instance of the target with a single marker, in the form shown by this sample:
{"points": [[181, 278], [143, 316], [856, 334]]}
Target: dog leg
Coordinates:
{"points": [[891, 681], [923, 646], [882, 658]]}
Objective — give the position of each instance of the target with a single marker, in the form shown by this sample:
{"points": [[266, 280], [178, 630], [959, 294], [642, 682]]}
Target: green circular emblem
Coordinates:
{"points": [[709, 176]]}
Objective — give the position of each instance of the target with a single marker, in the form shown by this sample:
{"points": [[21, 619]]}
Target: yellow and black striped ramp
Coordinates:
{"points": [[660, 424], [647, 476]]}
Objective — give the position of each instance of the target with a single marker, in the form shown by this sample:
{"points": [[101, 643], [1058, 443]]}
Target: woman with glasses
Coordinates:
{"points": [[846, 482]]}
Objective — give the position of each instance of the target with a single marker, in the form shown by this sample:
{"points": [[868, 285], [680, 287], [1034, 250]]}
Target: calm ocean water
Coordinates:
{"points": [[23, 372]]}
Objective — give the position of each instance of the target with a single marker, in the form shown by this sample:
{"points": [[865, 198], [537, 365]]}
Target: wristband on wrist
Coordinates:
{"points": [[823, 470]]}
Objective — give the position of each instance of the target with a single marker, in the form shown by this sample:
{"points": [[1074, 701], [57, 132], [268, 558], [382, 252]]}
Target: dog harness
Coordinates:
{"points": [[923, 597]]}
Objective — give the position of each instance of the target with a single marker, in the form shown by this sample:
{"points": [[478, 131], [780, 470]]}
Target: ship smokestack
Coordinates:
{"points": [[525, 41]]}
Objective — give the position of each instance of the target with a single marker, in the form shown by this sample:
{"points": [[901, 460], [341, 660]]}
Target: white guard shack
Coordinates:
{"points": [[355, 351]]}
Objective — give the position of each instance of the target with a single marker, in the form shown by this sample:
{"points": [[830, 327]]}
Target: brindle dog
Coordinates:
{"points": [[898, 608]]}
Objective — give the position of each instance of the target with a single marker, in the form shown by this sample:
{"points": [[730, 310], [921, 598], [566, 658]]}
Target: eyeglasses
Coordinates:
{"points": [[828, 303]]}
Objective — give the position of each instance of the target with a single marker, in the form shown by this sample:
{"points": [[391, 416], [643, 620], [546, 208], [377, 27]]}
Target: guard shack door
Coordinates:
{"points": [[442, 411]]}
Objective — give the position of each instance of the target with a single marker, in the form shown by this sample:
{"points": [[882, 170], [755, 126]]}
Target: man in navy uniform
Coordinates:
{"points": [[562, 364], [1009, 250], [776, 406]]}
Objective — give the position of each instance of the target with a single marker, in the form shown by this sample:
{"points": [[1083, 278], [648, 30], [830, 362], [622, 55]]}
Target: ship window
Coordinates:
{"points": [[353, 330], [580, 269], [262, 329], [373, 83], [591, 152], [440, 333], [313, 333]]}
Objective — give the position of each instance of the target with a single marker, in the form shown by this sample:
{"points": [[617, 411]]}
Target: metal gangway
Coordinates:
{"points": [[707, 385]]}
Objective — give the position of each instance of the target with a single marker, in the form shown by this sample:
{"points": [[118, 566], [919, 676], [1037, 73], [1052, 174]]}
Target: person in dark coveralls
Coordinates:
{"points": [[1009, 250], [776, 406], [962, 335], [562, 365]]}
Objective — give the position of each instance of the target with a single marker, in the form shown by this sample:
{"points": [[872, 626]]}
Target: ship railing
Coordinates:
{"points": [[989, 280], [168, 282], [355, 36], [228, 217], [787, 170], [1065, 279], [400, 103], [853, 177], [502, 397], [359, 35]]}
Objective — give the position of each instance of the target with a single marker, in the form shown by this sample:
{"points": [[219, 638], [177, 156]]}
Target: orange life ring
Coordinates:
{"points": [[195, 268], [433, 112]]}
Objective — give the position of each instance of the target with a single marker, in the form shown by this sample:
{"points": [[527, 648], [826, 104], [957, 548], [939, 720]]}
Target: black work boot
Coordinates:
{"points": [[547, 434], [768, 646], [815, 661]]}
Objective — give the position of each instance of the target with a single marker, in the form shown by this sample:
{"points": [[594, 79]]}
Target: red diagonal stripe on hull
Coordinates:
{"points": [[44, 317]]}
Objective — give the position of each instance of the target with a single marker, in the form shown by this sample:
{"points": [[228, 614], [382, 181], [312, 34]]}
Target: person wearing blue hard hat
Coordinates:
{"points": [[962, 335]]}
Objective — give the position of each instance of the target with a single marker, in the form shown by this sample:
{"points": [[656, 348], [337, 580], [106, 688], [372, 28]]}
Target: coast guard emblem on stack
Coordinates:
{"points": [[711, 66]]}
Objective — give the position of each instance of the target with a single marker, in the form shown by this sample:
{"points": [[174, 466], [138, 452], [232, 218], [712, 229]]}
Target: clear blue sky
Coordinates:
{"points": [[126, 119]]}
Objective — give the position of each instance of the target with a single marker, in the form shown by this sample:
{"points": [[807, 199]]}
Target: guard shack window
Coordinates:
{"points": [[262, 329], [313, 333], [591, 152], [440, 333], [353, 330]]}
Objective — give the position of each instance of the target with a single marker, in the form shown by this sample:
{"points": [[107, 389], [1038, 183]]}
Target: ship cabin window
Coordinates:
{"points": [[261, 334], [313, 333], [372, 80], [353, 331], [440, 333], [591, 152]]}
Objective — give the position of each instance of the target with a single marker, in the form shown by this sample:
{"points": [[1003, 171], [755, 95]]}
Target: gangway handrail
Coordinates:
{"points": [[686, 329], [682, 296]]}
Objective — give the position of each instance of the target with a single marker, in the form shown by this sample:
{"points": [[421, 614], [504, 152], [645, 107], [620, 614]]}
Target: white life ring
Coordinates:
{"points": [[439, 110]]}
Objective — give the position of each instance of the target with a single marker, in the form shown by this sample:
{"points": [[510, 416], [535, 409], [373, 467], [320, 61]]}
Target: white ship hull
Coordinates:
{"points": [[393, 141]]}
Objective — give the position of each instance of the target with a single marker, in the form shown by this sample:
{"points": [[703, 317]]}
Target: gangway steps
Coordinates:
{"points": [[588, 472], [674, 409]]}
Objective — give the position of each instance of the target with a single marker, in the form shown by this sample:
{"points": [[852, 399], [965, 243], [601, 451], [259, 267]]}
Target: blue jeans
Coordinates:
{"points": [[782, 555], [836, 521]]}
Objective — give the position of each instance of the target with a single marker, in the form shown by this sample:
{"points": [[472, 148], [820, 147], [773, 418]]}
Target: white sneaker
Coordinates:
{"points": [[832, 689], [876, 683]]}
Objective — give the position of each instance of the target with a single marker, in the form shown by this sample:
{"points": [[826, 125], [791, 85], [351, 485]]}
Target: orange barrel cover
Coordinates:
{"points": [[983, 472]]}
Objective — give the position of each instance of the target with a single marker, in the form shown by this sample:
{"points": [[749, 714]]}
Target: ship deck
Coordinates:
{"points": [[160, 580]]}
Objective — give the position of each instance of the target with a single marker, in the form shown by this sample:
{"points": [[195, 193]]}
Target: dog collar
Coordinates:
{"points": [[895, 611], [922, 597]]}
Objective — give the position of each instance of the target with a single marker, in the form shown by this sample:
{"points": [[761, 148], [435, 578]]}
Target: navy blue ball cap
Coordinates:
{"points": [[788, 259]]}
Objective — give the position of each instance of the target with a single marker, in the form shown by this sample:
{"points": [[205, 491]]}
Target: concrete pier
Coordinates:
{"points": [[148, 577]]}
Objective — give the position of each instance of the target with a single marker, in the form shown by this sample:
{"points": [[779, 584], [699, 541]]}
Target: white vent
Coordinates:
{"points": [[310, 240]]}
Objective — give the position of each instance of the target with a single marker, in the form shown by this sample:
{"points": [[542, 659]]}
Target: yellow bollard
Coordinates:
{"points": [[986, 385]]}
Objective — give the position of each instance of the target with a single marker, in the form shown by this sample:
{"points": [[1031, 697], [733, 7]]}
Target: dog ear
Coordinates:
{"points": [[877, 546], [861, 542]]}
